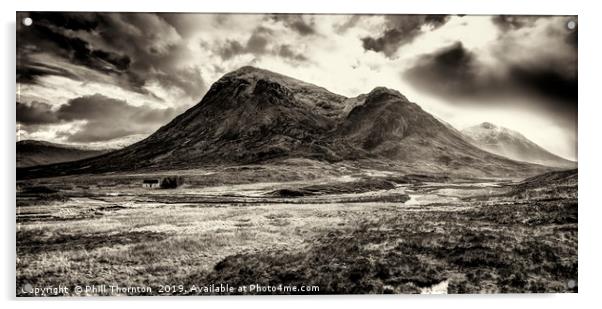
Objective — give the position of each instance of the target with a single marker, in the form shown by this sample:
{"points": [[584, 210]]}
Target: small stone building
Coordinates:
{"points": [[151, 183]]}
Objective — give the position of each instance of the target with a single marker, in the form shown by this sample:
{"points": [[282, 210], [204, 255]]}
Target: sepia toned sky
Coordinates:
{"points": [[102, 78]]}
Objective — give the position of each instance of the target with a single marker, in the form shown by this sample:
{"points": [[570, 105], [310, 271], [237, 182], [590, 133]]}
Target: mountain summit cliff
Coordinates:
{"points": [[252, 116]]}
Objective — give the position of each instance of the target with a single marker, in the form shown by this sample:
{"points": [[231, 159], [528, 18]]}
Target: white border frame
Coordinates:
{"points": [[589, 125]]}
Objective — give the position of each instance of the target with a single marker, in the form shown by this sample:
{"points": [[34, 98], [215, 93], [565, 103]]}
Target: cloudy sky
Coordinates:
{"points": [[110, 78]]}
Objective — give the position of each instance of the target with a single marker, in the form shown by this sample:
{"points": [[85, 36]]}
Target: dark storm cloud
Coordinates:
{"points": [[348, 24], [451, 71], [513, 22], [258, 41], [456, 74], [67, 20], [51, 33], [132, 48], [28, 71], [35, 113], [508, 23], [105, 118], [547, 82], [156, 50], [286, 51], [296, 22], [258, 45], [400, 30], [186, 24], [454, 71], [231, 49]]}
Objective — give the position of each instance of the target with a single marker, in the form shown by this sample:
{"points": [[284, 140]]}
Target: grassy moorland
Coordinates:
{"points": [[467, 237], [512, 248]]}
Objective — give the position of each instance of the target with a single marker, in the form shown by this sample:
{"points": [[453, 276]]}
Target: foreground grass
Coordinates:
{"points": [[159, 246], [478, 242], [509, 248], [513, 248]]}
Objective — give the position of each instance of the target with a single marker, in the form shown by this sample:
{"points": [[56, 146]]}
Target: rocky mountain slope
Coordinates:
{"points": [[513, 145], [256, 116], [32, 153]]}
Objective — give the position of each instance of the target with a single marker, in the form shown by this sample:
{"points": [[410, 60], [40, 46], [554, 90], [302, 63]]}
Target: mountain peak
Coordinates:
{"points": [[383, 92], [487, 125], [253, 74], [250, 70]]}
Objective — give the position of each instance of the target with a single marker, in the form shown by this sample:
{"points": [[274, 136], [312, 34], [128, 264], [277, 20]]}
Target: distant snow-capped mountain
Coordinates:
{"points": [[513, 145]]}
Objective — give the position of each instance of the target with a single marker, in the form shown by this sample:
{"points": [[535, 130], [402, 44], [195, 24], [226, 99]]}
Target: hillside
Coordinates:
{"points": [[33, 153], [551, 185], [255, 116]]}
